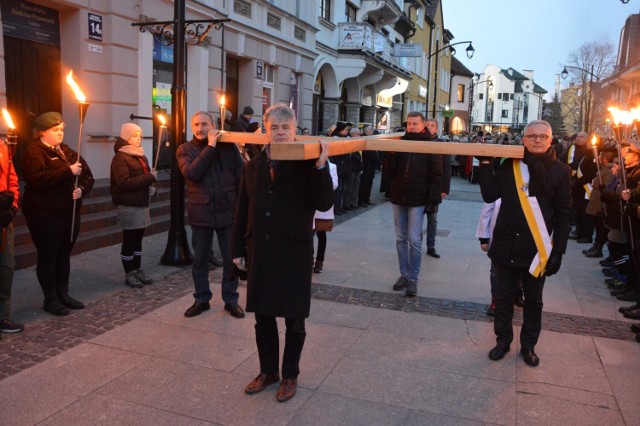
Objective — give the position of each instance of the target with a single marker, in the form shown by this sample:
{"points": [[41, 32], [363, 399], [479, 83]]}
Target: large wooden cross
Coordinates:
{"points": [[307, 147]]}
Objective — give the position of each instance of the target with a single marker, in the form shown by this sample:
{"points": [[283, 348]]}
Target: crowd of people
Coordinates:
{"points": [[265, 214]]}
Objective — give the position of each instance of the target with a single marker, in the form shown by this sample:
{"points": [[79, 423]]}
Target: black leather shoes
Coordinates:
{"points": [[433, 253], [70, 302], [54, 307], [287, 390], [261, 382], [196, 309], [497, 353], [632, 314], [635, 328], [234, 309], [530, 357]]}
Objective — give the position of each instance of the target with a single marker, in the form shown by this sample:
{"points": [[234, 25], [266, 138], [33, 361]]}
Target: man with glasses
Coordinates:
{"points": [[530, 234]]}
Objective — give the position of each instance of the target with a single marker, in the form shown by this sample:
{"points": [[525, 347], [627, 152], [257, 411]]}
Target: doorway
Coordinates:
{"points": [[32, 74]]}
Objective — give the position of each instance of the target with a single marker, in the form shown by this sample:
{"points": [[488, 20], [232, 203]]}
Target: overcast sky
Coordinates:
{"points": [[533, 34]]}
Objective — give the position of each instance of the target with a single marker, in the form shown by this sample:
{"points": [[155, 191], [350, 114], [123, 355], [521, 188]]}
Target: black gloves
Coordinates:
{"points": [[6, 216], [6, 200], [553, 264]]}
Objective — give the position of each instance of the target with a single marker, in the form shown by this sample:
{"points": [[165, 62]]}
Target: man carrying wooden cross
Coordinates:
{"points": [[530, 235], [415, 180]]}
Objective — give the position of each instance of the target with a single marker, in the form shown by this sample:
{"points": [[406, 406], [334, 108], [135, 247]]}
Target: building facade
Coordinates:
{"points": [[505, 100]]}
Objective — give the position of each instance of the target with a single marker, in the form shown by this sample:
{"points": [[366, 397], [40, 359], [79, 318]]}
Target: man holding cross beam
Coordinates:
{"points": [[273, 242], [415, 180], [530, 234]]}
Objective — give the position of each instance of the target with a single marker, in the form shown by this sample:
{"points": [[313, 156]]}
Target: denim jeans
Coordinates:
{"points": [[408, 222], [202, 239]]}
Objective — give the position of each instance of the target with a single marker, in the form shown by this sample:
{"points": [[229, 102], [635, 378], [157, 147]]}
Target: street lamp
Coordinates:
{"points": [[470, 51], [564, 74], [178, 32]]}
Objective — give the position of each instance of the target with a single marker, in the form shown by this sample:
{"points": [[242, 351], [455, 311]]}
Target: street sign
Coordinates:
{"points": [[407, 49]]}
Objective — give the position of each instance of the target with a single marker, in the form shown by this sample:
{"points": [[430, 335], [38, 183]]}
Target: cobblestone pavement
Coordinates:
{"points": [[46, 339]]}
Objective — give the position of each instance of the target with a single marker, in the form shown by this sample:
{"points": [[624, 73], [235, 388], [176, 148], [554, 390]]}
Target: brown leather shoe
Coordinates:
{"points": [[287, 390], [261, 382]]}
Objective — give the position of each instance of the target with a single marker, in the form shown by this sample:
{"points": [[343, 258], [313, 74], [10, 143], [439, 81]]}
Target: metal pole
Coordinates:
{"points": [[588, 113], [435, 84], [177, 251]]}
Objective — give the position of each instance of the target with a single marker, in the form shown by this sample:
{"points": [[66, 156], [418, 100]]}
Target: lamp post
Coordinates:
{"points": [[178, 32], [564, 75], [470, 51]]}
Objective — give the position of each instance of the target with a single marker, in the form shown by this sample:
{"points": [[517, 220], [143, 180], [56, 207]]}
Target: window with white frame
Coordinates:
{"points": [[325, 9], [267, 87], [350, 12]]}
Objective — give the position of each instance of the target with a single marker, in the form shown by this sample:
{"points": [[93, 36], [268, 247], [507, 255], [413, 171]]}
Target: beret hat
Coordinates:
{"points": [[47, 121]]}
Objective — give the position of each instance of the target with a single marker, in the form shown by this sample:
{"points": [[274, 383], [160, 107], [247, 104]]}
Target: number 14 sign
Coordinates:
{"points": [[95, 27]]}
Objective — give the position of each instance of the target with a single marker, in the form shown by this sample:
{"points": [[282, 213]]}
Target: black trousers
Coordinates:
{"points": [[52, 238], [268, 345], [584, 222], [506, 285]]}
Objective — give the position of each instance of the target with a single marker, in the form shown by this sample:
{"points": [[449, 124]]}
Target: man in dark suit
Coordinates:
{"points": [[273, 242], [530, 235]]}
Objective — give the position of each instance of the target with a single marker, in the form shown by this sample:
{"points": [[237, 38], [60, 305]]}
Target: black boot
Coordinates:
{"points": [[317, 268], [54, 307], [66, 300], [594, 251]]}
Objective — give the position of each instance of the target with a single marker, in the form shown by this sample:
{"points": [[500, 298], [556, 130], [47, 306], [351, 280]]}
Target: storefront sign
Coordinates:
{"points": [[407, 49], [29, 21]]}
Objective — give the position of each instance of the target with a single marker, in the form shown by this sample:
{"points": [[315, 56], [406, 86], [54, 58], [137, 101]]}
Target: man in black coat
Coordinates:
{"points": [[583, 169], [530, 235], [273, 242], [431, 209], [212, 173], [415, 180]]}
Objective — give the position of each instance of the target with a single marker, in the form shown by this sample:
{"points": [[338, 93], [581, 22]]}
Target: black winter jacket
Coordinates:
{"points": [[414, 179], [513, 242], [50, 183], [213, 181], [130, 178]]}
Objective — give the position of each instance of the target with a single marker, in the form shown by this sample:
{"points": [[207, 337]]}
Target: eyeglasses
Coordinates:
{"points": [[543, 138]]}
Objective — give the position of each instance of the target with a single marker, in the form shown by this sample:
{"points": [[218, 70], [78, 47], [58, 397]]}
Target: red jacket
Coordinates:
{"points": [[8, 177]]}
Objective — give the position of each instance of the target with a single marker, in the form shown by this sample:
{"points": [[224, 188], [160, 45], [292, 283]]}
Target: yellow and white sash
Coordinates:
{"points": [[570, 154], [587, 186], [534, 217]]}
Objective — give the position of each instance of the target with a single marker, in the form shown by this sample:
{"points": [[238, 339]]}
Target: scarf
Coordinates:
{"points": [[134, 151], [536, 164]]}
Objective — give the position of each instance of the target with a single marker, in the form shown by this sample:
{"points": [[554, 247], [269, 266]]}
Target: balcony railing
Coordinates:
{"points": [[363, 37]]}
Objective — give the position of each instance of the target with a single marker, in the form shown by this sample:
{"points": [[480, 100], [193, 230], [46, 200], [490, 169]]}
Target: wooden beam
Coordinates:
{"points": [[453, 148], [307, 147]]}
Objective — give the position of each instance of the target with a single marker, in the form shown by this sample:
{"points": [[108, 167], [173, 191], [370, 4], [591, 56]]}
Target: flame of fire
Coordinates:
{"points": [[7, 119], [76, 89], [162, 120], [222, 99], [621, 117], [594, 140]]}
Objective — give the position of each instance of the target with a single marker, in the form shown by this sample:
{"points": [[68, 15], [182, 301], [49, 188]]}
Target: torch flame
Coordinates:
{"points": [[161, 118], [594, 140], [620, 117], [7, 119], [222, 99], [76, 89]]}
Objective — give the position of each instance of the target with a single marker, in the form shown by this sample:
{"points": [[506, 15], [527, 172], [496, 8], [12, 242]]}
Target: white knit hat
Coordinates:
{"points": [[127, 130]]}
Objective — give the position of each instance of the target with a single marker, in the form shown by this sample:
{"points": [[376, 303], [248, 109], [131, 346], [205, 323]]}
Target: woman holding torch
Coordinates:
{"points": [[50, 169], [131, 186]]}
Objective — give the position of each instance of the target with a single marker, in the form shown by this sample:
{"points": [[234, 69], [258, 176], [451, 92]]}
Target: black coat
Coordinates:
{"points": [[49, 181], [273, 230], [130, 178], [213, 179], [414, 179], [512, 243]]}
